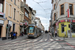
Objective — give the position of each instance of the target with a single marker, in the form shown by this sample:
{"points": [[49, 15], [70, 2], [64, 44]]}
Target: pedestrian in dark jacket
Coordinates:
{"points": [[12, 37], [22, 33]]}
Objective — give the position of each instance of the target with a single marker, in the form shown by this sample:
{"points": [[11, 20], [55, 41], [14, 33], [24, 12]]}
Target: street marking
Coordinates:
{"points": [[68, 47], [40, 40], [45, 39], [51, 40], [57, 39], [40, 49], [50, 48], [35, 40]]}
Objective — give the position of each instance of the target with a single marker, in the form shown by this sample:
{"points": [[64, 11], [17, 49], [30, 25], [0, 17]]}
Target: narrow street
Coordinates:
{"points": [[43, 42]]}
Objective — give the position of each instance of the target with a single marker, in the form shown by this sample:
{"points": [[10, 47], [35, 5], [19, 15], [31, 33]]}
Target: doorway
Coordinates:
{"points": [[0, 30]]}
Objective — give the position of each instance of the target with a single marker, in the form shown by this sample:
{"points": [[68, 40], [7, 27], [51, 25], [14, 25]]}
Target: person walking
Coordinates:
{"points": [[12, 35], [55, 33]]}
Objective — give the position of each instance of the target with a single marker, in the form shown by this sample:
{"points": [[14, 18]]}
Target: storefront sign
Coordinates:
{"points": [[26, 23], [62, 21], [73, 20], [1, 22], [68, 13]]}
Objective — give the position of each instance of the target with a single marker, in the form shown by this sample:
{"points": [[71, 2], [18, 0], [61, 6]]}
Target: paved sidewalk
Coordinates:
{"points": [[9, 40], [71, 41]]}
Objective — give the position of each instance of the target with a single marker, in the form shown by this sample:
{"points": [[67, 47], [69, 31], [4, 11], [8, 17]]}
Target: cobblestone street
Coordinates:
{"points": [[43, 42]]}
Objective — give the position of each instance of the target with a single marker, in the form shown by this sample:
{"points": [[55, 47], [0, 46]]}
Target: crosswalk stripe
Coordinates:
{"points": [[40, 49], [50, 48], [51, 40], [45, 39]]}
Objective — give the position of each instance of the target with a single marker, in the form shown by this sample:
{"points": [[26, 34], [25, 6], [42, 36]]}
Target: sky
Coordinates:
{"points": [[43, 10]]}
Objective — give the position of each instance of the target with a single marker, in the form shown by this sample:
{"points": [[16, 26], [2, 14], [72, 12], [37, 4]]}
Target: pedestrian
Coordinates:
{"points": [[12, 35], [22, 33], [55, 33]]}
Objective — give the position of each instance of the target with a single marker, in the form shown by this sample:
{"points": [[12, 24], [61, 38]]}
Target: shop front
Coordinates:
{"points": [[21, 27], [65, 28], [1, 25], [26, 27]]}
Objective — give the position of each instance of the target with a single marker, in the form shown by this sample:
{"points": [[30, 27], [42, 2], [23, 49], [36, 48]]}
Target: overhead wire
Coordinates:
{"points": [[40, 6]]}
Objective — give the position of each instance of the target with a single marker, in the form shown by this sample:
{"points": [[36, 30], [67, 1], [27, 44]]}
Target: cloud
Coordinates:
{"points": [[44, 21], [43, 11]]}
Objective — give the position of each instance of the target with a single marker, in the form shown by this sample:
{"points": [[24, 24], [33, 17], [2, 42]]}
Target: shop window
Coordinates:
{"points": [[73, 27], [71, 9], [14, 13], [11, 0], [26, 14], [62, 28], [62, 9]]}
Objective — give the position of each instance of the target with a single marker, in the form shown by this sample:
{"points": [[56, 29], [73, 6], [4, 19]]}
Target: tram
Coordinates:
{"points": [[33, 31]]}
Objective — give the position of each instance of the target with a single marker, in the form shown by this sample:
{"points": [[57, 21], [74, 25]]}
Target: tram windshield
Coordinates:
{"points": [[31, 29]]}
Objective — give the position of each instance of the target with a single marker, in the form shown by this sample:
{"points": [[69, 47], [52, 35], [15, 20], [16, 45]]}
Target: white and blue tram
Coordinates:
{"points": [[33, 31]]}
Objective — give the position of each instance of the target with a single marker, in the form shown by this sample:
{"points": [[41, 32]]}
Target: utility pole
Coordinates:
{"points": [[7, 31]]}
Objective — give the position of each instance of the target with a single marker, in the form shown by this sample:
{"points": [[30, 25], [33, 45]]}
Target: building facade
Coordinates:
{"points": [[62, 20], [9, 17], [38, 23], [33, 16]]}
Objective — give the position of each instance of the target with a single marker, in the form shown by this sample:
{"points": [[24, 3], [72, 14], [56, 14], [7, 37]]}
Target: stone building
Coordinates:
{"points": [[9, 17], [62, 20]]}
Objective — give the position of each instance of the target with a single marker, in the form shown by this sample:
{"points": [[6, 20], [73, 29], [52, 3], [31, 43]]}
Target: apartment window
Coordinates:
{"points": [[18, 0], [26, 14], [10, 10], [1, 6], [13, 27], [54, 16], [11, 0], [62, 9], [15, 2], [14, 13], [54, 6], [71, 9], [62, 27]]}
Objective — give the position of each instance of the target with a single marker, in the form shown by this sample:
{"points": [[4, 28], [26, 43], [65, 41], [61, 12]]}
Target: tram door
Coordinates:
{"points": [[0, 30]]}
